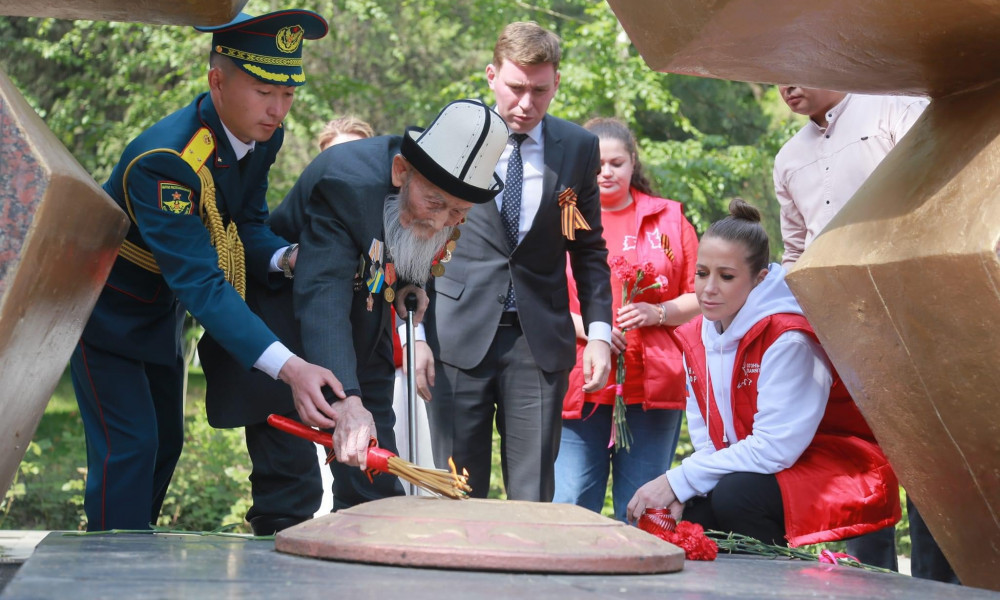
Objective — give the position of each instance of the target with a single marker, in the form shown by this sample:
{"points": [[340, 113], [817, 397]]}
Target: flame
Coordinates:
{"points": [[461, 482]]}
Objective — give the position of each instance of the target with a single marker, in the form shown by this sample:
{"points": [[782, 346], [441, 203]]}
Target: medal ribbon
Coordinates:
{"points": [[665, 244], [572, 218], [377, 273]]}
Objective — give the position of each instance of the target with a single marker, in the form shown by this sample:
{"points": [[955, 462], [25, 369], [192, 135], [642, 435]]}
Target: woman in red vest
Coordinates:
{"points": [[781, 451], [641, 228]]}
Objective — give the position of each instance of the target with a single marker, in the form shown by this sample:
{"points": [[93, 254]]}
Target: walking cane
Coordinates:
{"points": [[411, 384]]}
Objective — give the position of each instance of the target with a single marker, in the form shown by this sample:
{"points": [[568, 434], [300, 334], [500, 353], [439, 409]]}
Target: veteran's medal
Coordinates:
{"points": [[455, 234], [389, 294], [437, 269]]}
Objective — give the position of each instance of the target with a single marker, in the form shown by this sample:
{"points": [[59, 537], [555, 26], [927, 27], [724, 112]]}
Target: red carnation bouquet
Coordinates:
{"points": [[631, 279], [686, 535]]}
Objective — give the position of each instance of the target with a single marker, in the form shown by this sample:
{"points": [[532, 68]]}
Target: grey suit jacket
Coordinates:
{"points": [[467, 300]]}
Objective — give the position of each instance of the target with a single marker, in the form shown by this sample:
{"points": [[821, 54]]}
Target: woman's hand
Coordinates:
{"points": [[654, 494], [639, 314], [617, 341], [676, 510]]}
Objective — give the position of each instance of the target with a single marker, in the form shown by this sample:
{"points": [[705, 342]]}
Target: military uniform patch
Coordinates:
{"points": [[176, 198]]}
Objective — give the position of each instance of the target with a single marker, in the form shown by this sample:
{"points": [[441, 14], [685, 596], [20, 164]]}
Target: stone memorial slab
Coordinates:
{"points": [[59, 236], [485, 535], [159, 566]]}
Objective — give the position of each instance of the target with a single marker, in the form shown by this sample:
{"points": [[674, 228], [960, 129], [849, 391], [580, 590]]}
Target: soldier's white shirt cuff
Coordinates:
{"points": [[599, 330], [418, 332], [273, 359]]}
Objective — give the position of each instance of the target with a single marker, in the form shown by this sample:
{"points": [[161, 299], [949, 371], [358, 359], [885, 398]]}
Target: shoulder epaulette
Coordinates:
{"points": [[199, 148]]}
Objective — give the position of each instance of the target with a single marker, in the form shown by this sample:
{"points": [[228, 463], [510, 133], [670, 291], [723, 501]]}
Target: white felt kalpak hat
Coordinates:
{"points": [[459, 151]]}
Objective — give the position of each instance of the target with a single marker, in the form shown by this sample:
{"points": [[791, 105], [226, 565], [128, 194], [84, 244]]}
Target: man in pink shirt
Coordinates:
{"points": [[815, 173], [819, 169]]}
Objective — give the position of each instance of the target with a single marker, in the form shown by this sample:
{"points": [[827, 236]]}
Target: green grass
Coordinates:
{"points": [[209, 488]]}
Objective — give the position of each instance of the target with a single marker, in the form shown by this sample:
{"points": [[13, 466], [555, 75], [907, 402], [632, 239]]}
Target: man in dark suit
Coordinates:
{"points": [[370, 217], [193, 186], [501, 324]]}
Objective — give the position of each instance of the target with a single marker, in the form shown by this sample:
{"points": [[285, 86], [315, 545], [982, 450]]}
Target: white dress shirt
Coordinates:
{"points": [[533, 158]]}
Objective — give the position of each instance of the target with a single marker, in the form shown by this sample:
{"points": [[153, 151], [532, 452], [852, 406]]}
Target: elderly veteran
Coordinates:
{"points": [[193, 186], [371, 218]]}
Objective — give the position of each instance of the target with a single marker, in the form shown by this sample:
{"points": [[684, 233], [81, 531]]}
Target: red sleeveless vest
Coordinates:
{"points": [[842, 485]]}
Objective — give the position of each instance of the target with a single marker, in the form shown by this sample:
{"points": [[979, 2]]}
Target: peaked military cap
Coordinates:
{"points": [[269, 47]]}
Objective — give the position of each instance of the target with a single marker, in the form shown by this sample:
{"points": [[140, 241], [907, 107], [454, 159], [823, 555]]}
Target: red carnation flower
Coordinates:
{"points": [[648, 270], [622, 269]]}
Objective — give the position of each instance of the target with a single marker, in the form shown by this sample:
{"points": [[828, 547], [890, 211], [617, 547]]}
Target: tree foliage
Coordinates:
{"points": [[395, 63]]}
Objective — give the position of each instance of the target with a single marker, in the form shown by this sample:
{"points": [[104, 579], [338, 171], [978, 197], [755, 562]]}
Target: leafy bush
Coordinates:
{"points": [[209, 488], [48, 489]]}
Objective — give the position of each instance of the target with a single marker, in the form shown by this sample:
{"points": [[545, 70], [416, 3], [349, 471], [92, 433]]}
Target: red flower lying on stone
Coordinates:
{"points": [[692, 539]]}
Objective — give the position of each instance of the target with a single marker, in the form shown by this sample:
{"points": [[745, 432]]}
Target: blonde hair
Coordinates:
{"points": [[527, 43], [348, 124]]}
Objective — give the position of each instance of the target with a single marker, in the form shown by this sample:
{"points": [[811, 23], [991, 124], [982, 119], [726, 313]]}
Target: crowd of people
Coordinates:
{"points": [[504, 222]]}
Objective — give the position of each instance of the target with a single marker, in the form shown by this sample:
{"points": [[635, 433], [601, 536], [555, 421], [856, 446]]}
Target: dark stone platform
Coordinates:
{"points": [[189, 566]]}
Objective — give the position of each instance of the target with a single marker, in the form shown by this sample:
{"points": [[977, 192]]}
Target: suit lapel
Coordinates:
{"points": [[553, 161], [493, 223], [487, 220], [489, 217]]}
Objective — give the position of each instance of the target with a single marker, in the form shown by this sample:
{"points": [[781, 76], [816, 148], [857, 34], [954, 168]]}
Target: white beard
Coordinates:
{"points": [[411, 255]]}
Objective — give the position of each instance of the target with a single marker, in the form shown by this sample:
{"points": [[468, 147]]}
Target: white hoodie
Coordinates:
{"points": [[792, 391]]}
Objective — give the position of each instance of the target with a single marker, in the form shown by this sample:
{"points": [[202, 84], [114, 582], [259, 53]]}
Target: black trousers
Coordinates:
{"points": [[878, 548], [285, 480], [744, 503]]}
